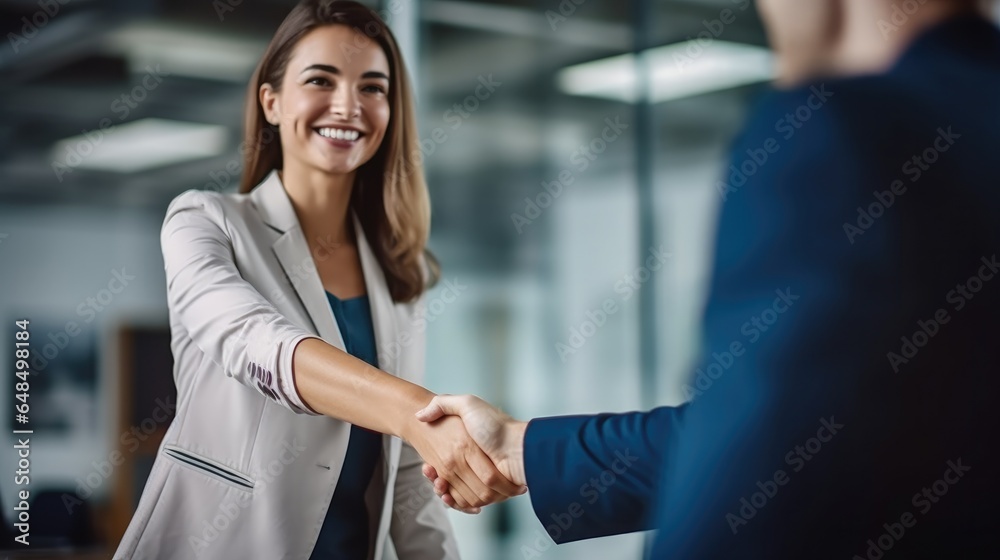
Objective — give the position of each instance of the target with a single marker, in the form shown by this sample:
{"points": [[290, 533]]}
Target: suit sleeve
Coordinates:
{"points": [[594, 476], [226, 317]]}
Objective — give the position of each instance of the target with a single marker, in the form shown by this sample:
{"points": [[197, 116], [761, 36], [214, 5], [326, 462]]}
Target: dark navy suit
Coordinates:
{"points": [[847, 402]]}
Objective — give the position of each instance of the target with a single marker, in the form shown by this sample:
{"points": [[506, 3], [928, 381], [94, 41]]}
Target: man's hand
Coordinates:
{"points": [[497, 434], [474, 481]]}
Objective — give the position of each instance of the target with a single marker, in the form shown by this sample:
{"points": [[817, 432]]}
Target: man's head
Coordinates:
{"points": [[817, 37]]}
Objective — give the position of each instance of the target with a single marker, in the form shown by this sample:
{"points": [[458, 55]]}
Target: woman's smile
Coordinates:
{"points": [[340, 137]]}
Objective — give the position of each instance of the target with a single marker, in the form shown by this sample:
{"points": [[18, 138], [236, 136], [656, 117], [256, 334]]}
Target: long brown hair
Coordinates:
{"points": [[390, 195]]}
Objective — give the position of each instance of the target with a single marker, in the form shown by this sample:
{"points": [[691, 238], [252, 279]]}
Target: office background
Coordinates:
{"points": [[572, 149]]}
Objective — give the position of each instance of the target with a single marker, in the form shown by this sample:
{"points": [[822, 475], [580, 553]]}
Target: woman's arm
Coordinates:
{"points": [[337, 384], [240, 330]]}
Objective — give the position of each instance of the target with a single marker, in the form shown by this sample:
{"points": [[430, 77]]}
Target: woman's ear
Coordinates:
{"points": [[270, 103]]}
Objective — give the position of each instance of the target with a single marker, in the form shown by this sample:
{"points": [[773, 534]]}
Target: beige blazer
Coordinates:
{"points": [[246, 469]]}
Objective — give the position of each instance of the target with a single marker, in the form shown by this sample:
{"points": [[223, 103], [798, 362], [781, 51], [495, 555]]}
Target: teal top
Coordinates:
{"points": [[345, 534]]}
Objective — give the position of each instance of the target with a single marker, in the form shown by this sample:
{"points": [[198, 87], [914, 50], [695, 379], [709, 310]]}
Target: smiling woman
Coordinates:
{"points": [[336, 81], [298, 326]]}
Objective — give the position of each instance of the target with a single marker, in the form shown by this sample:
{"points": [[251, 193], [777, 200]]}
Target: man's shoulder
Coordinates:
{"points": [[864, 126], [842, 105]]}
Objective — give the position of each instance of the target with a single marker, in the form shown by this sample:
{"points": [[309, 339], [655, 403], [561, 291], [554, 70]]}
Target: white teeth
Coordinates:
{"points": [[339, 134]]}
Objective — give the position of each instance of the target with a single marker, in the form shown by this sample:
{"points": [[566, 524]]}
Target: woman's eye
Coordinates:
{"points": [[374, 89], [318, 81]]}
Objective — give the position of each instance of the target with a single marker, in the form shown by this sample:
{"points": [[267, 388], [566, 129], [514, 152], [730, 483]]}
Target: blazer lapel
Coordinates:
{"points": [[292, 252]]}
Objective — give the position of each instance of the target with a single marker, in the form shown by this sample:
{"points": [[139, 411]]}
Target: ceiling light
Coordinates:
{"points": [[678, 70], [139, 145], [186, 51]]}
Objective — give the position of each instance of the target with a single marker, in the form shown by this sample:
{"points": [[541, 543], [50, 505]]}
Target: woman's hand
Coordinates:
{"points": [[497, 434], [473, 480]]}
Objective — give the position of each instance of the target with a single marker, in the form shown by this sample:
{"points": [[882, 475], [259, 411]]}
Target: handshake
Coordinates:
{"points": [[473, 452]]}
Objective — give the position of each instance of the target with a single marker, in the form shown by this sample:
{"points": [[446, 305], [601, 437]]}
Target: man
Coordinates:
{"points": [[848, 409]]}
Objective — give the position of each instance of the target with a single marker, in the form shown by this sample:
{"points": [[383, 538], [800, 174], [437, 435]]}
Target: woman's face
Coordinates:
{"points": [[333, 106]]}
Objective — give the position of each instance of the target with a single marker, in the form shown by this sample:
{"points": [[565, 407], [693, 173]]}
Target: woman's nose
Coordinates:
{"points": [[345, 103]]}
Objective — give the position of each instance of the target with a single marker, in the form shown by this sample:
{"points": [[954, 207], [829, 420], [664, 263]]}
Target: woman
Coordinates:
{"points": [[292, 312]]}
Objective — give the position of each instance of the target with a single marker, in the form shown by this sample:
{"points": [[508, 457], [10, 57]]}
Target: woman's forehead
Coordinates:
{"points": [[341, 47]]}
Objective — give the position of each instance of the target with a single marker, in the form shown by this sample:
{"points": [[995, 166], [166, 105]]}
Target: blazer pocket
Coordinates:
{"points": [[210, 468]]}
